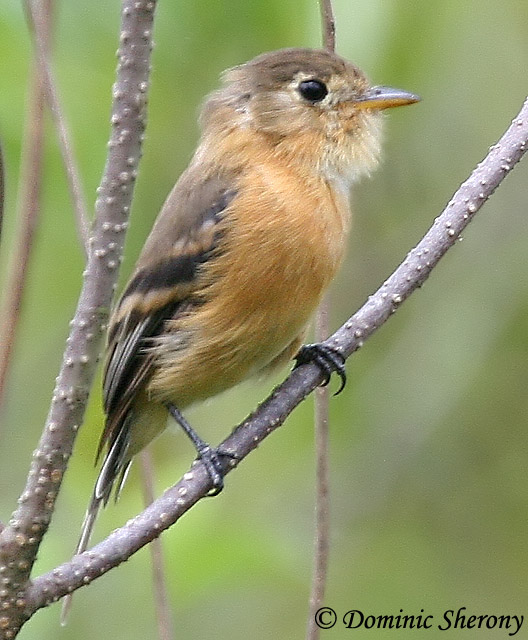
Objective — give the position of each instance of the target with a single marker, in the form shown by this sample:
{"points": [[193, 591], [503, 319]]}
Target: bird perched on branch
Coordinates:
{"points": [[242, 250]]}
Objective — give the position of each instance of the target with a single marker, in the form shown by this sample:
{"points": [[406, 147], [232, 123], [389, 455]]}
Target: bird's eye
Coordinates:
{"points": [[313, 90]]}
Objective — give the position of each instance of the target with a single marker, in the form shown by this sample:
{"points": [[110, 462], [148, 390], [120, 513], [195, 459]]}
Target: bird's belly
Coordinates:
{"points": [[258, 294], [238, 331]]}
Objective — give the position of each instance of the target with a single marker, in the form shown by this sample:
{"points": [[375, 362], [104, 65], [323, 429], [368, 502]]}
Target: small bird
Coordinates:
{"points": [[242, 250]]}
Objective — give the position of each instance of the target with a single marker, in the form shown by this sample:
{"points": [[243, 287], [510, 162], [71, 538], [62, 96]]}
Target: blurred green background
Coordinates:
{"points": [[429, 444]]}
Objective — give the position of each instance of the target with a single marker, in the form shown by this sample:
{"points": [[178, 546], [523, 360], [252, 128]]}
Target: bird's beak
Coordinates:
{"points": [[385, 98]]}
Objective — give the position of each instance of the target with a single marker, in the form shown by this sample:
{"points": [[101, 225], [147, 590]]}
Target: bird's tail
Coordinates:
{"points": [[115, 465], [82, 545]]}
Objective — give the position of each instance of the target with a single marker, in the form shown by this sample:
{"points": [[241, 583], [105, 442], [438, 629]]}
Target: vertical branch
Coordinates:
{"points": [[328, 24], [321, 421], [2, 201], [21, 538], [28, 208], [2, 189], [322, 496], [161, 599], [37, 30]]}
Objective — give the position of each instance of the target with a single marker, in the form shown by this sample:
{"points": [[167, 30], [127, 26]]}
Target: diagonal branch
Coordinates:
{"points": [[21, 538], [195, 484]]}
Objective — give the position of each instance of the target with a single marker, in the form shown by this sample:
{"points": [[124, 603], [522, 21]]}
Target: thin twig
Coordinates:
{"points": [[28, 207], [2, 189], [20, 540], [161, 598], [328, 24], [321, 422], [322, 483], [196, 484], [36, 29]]}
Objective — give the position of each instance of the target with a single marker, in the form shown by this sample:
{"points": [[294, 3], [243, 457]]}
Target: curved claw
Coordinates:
{"points": [[211, 458], [328, 359]]}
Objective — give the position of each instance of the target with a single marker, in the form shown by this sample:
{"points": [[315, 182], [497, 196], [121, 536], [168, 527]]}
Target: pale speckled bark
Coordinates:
{"points": [[21, 538]]}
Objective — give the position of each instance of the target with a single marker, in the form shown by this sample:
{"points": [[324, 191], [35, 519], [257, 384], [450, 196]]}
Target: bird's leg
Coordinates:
{"points": [[210, 456], [328, 359]]}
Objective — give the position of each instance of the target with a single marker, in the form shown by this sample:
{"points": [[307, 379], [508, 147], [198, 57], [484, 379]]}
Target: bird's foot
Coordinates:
{"points": [[328, 359], [214, 465], [210, 456]]}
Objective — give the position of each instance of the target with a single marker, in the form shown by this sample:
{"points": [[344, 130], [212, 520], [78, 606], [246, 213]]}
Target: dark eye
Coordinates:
{"points": [[313, 90]]}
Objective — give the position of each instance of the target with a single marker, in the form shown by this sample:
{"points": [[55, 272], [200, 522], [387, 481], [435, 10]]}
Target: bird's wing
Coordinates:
{"points": [[185, 235]]}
